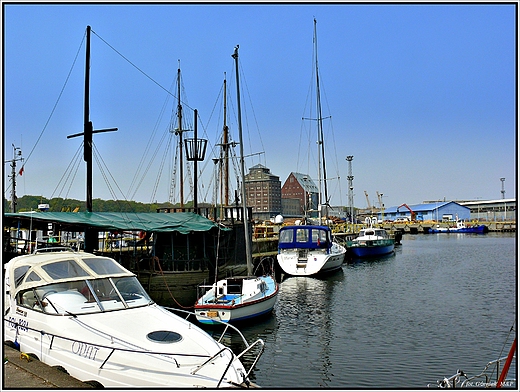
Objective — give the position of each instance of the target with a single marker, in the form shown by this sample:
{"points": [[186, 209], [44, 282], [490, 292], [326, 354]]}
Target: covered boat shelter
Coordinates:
{"points": [[173, 236]]}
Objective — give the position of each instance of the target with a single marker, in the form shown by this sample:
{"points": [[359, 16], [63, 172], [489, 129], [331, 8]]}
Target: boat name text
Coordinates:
{"points": [[85, 350]]}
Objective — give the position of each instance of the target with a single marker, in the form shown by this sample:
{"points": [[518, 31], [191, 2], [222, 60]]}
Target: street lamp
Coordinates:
{"points": [[195, 152]]}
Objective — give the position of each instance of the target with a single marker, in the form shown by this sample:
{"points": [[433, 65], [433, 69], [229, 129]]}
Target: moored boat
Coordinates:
{"points": [[305, 250], [244, 297], [460, 227], [90, 316], [237, 299], [371, 242]]}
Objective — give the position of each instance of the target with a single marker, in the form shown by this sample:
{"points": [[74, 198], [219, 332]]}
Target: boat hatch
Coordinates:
{"points": [[164, 337]]}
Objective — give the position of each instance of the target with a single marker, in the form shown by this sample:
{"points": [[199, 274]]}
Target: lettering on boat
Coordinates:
{"points": [[20, 323], [21, 312], [85, 350]]}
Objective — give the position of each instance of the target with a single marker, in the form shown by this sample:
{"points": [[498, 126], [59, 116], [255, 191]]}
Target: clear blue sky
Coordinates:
{"points": [[423, 96]]}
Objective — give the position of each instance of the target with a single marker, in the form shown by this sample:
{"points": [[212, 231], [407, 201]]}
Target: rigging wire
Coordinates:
{"points": [[57, 101], [71, 170], [137, 68]]}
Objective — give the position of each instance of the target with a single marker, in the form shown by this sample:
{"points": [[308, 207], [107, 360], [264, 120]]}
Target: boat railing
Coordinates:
{"points": [[461, 380], [54, 249], [227, 326], [137, 350]]}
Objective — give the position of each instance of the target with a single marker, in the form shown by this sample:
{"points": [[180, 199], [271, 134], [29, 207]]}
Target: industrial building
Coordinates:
{"points": [[437, 211], [263, 192]]}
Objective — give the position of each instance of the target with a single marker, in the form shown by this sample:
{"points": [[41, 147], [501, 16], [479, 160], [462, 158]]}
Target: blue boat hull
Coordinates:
{"points": [[371, 251], [474, 229]]}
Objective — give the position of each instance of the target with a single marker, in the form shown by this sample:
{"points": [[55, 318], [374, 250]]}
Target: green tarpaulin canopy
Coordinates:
{"points": [[182, 222]]}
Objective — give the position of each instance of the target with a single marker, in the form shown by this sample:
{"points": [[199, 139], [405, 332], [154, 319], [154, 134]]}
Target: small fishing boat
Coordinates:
{"points": [[460, 227], [371, 242], [243, 297], [237, 299], [305, 250], [90, 316]]}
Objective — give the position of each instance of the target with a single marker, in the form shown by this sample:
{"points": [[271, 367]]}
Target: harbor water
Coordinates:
{"points": [[442, 302]]}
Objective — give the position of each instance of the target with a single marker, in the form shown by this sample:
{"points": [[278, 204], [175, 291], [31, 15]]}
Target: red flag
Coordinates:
{"points": [[21, 171]]}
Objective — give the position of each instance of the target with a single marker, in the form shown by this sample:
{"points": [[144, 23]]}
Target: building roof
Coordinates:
{"points": [[306, 182], [182, 222], [421, 207]]}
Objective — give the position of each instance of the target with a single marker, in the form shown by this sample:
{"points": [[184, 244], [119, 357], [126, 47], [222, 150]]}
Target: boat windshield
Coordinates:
{"points": [[85, 296]]}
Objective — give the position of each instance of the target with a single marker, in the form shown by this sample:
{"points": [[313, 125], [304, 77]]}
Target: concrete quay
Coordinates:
{"points": [[21, 373]]}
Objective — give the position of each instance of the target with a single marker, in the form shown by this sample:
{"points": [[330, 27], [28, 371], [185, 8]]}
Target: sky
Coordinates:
{"points": [[423, 96]]}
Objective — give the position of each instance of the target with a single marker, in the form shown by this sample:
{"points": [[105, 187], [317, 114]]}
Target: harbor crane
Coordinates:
{"points": [[412, 213], [368, 203]]}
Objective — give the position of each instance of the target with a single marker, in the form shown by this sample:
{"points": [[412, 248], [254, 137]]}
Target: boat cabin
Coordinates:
{"points": [[69, 282], [305, 236]]}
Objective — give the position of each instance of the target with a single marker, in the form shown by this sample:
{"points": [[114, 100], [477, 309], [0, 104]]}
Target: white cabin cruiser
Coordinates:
{"points": [[91, 316]]}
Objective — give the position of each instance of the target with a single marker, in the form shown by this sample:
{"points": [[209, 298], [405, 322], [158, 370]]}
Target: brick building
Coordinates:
{"points": [[263, 191], [302, 188]]}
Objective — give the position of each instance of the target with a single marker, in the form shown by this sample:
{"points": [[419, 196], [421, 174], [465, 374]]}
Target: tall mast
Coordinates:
{"points": [[179, 132], [321, 145], [225, 144], [249, 257], [88, 131]]}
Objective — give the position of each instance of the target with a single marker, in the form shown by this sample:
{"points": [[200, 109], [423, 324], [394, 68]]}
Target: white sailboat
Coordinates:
{"points": [[305, 250], [242, 297]]}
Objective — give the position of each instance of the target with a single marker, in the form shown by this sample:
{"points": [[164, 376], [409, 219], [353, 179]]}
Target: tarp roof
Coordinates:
{"points": [[182, 222]]}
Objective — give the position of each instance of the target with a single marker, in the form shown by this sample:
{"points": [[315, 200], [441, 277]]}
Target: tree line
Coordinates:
{"points": [[58, 204]]}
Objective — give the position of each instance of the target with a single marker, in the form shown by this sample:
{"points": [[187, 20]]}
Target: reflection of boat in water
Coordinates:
{"points": [[460, 227], [92, 317], [371, 242]]}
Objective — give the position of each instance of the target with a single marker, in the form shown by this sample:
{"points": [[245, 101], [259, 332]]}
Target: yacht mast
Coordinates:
{"points": [[179, 133], [322, 172], [249, 257]]}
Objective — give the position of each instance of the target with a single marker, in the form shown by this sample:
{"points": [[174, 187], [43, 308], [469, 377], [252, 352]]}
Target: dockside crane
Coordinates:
{"points": [[368, 203], [412, 213]]}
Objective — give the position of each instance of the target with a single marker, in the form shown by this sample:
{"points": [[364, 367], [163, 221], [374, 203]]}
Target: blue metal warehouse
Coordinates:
{"points": [[431, 211]]}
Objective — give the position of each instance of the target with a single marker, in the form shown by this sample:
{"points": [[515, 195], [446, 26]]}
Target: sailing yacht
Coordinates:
{"points": [[305, 250]]}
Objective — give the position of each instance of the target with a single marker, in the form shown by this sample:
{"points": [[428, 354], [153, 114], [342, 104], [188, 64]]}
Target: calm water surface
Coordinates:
{"points": [[442, 302]]}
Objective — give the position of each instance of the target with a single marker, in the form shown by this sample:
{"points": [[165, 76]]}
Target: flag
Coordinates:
{"points": [[21, 171]]}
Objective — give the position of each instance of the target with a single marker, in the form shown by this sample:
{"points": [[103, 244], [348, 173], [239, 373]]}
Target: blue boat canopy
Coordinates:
{"points": [[305, 236]]}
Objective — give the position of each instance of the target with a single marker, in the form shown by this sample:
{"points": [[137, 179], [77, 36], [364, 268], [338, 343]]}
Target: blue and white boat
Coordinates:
{"points": [[371, 242], [237, 299], [245, 297], [461, 227], [305, 250]]}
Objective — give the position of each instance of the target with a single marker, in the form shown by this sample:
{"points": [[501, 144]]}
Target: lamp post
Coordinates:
{"points": [[195, 152]]}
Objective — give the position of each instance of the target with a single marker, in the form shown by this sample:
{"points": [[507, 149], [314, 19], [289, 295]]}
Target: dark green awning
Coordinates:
{"points": [[182, 222]]}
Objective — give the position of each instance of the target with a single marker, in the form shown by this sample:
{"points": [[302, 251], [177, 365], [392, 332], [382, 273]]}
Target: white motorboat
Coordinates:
{"points": [[305, 250], [90, 316]]}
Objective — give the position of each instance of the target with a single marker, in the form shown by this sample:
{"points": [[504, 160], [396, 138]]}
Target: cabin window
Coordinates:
{"points": [[102, 266], [33, 277], [286, 236], [64, 269], [19, 274], [302, 235]]}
